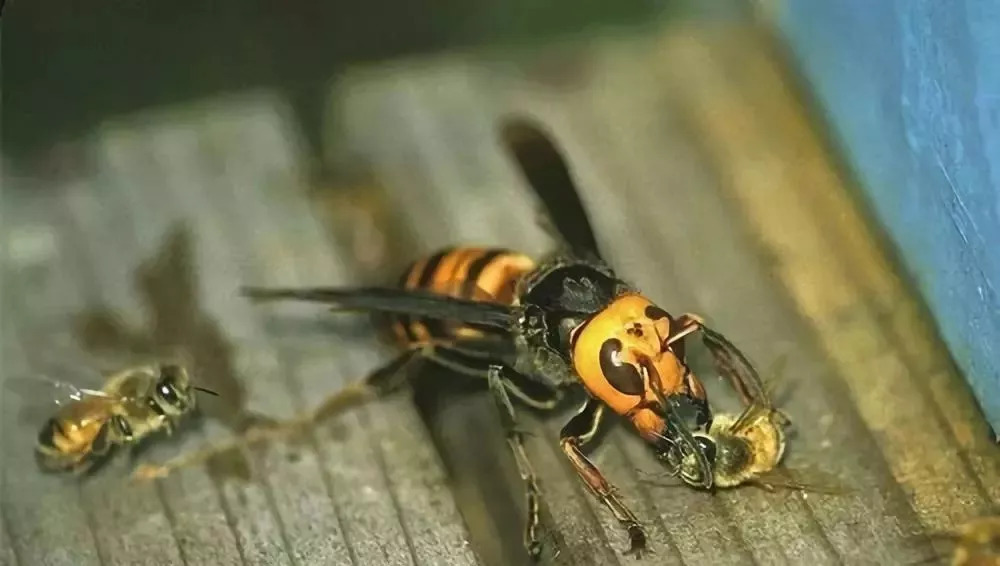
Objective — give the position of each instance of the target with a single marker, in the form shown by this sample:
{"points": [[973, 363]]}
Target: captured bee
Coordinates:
{"points": [[133, 404], [535, 330], [745, 447]]}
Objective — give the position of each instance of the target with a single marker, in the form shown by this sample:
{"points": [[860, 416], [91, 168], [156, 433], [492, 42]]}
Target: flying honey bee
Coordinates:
{"points": [[89, 424]]}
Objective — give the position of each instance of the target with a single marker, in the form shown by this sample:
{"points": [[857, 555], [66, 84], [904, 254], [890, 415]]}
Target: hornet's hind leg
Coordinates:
{"points": [[476, 360], [469, 358], [380, 382]]}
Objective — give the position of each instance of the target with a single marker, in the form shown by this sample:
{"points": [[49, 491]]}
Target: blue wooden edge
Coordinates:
{"points": [[911, 89]]}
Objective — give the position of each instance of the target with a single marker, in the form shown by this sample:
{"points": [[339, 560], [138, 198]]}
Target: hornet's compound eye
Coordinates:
{"points": [[622, 375]]}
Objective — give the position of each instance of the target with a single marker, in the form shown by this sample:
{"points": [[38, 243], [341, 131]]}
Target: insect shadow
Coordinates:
{"points": [[177, 326]]}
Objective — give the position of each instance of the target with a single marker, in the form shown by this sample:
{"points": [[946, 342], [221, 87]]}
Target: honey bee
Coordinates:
{"points": [[977, 543], [747, 447], [89, 424]]}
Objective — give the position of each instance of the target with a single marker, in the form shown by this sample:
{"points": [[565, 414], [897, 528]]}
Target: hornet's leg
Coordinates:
{"points": [[579, 431], [501, 379], [384, 380], [729, 360], [474, 363]]}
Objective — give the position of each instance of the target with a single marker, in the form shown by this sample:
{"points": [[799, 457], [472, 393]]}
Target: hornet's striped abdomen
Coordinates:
{"points": [[481, 274]]}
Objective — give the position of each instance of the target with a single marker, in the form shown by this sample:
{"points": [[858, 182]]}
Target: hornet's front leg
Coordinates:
{"points": [[503, 379], [729, 360], [577, 433]]}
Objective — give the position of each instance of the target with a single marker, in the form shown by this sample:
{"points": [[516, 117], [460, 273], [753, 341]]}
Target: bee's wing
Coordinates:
{"points": [[390, 300], [38, 396], [545, 169], [30, 401], [808, 480]]}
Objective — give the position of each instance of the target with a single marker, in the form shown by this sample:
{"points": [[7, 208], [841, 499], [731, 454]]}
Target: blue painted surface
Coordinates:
{"points": [[911, 89]]}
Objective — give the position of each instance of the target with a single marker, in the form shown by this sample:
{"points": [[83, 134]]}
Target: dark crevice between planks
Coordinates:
{"points": [[457, 410], [176, 327]]}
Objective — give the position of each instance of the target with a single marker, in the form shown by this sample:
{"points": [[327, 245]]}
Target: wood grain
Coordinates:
{"points": [[912, 102], [156, 226], [708, 188], [846, 296]]}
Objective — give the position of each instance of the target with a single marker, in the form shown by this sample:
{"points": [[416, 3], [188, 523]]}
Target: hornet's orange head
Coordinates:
{"points": [[625, 357]]}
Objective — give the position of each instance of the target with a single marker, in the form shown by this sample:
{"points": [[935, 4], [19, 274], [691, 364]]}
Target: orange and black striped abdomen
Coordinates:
{"points": [[480, 274], [67, 439]]}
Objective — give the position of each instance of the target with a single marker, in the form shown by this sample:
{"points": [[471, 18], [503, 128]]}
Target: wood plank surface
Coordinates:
{"points": [[149, 249], [912, 97], [708, 188]]}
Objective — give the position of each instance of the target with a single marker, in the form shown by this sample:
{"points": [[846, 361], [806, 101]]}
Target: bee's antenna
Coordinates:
{"points": [[204, 390]]}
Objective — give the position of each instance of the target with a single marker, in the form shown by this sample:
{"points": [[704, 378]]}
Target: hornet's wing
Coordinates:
{"points": [[545, 169], [389, 300]]}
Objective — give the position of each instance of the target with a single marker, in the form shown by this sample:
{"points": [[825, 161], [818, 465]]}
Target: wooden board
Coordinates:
{"points": [[148, 246], [912, 99], [708, 189]]}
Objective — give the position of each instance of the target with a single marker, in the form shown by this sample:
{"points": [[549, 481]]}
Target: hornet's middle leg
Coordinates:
{"points": [[503, 379], [577, 433]]}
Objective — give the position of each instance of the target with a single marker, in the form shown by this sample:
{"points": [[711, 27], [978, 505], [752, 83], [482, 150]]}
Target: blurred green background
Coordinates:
{"points": [[67, 65]]}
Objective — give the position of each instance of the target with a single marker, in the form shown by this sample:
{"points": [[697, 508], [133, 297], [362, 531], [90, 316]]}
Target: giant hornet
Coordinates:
{"points": [[132, 405], [749, 446], [537, 329]]}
